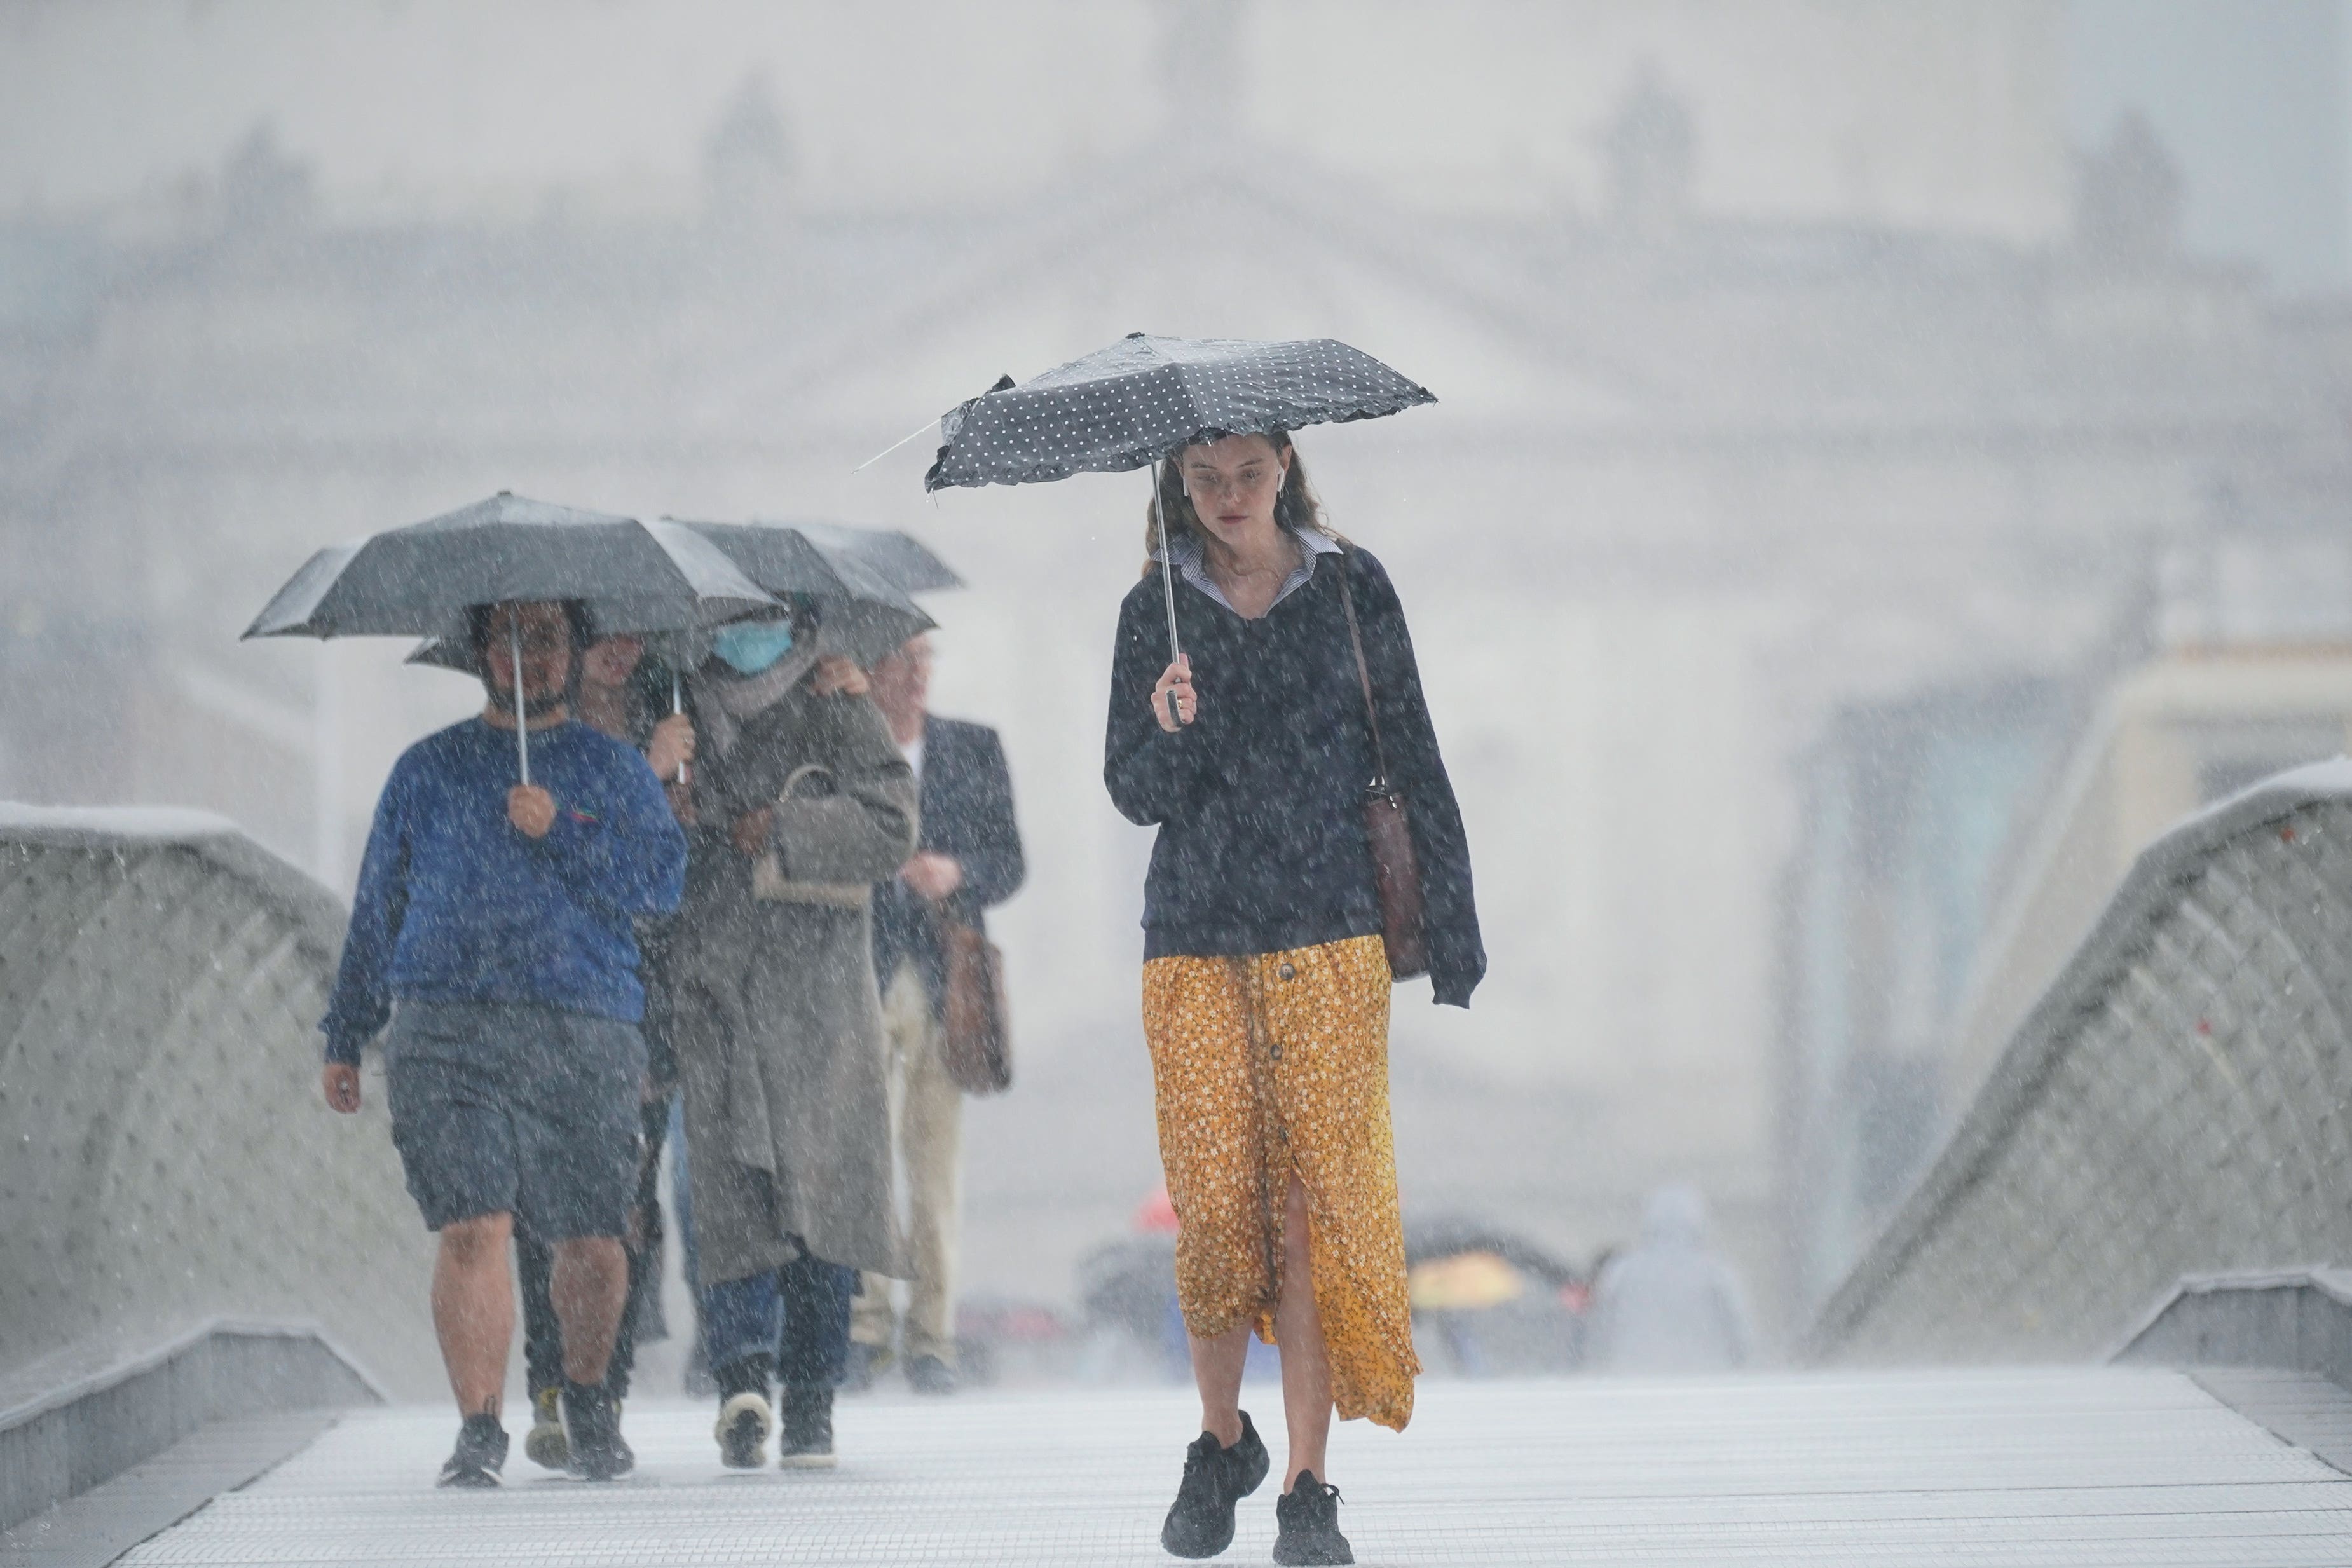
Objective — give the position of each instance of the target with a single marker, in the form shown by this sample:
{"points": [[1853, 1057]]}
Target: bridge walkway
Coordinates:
{"points": [[2129, 1466]]}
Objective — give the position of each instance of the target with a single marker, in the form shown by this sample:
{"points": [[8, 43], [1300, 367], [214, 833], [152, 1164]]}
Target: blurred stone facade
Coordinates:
{"points": [[1729, 436]]}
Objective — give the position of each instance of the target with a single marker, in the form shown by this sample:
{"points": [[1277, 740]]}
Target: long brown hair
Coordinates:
{"points": [[1294, 508]]}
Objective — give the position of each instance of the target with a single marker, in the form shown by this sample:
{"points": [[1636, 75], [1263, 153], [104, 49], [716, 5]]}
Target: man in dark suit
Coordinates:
{"points": [[967, 860]]}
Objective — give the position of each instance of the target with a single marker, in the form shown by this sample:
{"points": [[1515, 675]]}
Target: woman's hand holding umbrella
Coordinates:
{"points": [[1173, 702]]}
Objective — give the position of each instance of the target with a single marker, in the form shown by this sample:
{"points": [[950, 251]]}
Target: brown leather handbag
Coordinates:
{"points": [[975, 1039], [1388, 826]]}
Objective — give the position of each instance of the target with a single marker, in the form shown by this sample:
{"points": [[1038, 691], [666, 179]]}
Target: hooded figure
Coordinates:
{"points": [[1668, 1303], [777, 1025]]}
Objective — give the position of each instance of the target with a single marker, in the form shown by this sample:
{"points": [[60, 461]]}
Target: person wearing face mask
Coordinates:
{"points": [[800, 801]]}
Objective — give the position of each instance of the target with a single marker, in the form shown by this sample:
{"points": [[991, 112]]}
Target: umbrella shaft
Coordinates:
{"points": [[1168, 583], [1167, 567], [522, 708]]}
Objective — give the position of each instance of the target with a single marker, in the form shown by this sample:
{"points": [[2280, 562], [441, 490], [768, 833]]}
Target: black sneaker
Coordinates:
{"points": [[1201, 1520], [591, 1424], [1307, 1521], [807, 1440], [930, 1374], [481, 1451]]}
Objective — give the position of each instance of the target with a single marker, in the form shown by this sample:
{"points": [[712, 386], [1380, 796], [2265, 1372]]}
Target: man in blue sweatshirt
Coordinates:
{"points": [[492, 929]]}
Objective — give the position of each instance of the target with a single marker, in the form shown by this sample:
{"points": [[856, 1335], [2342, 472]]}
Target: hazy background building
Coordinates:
{"points": [[1810, 369]]}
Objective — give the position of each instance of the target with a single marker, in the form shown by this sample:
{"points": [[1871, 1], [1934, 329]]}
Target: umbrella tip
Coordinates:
{"points": [[1139, 334], [506, 492]]}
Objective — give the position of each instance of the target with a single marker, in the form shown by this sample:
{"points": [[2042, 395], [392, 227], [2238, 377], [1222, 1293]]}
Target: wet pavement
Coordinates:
{"points": [[2133, 1467]]}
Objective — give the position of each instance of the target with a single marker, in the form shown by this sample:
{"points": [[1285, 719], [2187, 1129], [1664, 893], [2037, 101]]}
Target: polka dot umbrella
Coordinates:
{"points": [[1144, 398]]}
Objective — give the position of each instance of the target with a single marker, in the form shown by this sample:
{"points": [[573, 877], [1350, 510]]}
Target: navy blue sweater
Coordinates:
{"points": [[1259, 803], [455, 904]]}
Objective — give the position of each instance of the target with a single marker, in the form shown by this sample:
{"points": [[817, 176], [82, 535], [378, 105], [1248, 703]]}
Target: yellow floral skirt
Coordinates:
{"points": [[1267, 1067]]}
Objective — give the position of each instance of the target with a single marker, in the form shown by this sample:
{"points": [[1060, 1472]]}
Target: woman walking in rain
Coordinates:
{"points": [[1266, 980], [800, 803]]}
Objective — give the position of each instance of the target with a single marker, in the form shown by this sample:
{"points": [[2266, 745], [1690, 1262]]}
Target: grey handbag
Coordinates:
{"points": [[769, 883]]}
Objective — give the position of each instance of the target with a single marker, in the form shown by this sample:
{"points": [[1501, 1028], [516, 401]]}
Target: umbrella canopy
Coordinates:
{"points": [[905, 561], [858, 609], [850, 591], [861, 612], [1142, 398], [419, 580]]}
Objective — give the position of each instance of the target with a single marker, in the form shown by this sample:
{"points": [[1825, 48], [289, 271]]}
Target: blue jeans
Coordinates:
{"points": [[799, 1313]]}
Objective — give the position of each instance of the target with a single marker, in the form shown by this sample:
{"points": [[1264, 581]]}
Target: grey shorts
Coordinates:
{"points": [[503, 1107]]}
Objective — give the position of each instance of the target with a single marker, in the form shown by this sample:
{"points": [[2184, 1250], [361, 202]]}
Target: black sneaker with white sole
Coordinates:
{"points": [[1307, 1521], [480, 1454], [1216, 1477]]}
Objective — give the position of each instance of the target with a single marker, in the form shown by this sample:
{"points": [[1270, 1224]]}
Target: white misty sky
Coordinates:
{"points": [[610, 99], [2250, 95], [102, 98]]}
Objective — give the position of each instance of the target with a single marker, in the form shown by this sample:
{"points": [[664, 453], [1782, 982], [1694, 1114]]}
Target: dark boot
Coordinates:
{"points": [[807, 1440]]}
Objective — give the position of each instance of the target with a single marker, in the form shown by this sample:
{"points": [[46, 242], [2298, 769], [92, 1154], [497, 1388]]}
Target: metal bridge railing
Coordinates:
{"points": [[2174, 1104], [164, 1153]]}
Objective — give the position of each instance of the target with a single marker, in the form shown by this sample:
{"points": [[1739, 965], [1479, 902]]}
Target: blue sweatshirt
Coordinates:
{"points": [[455, 904]]}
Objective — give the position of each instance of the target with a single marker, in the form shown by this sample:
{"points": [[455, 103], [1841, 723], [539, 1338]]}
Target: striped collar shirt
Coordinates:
{"points": [[1312, 542]]}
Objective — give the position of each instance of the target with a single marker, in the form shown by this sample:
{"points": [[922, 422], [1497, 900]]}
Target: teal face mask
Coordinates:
{"points": [[750, 646]]}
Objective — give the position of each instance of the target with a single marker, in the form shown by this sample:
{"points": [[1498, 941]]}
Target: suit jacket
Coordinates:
{"points": [[967, 812]]}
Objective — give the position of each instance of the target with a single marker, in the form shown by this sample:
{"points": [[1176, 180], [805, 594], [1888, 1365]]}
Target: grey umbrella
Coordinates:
{"points": [[904, 561], [419, 580], [1145, 398], [861, 613], [848, 579]]}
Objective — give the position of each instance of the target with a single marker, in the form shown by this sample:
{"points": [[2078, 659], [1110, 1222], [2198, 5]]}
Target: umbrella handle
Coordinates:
{"points": [[522, 708], [1167, 582]]}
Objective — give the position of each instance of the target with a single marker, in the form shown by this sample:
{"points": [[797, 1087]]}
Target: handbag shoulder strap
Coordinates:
{"points": [[1363, 671]]}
